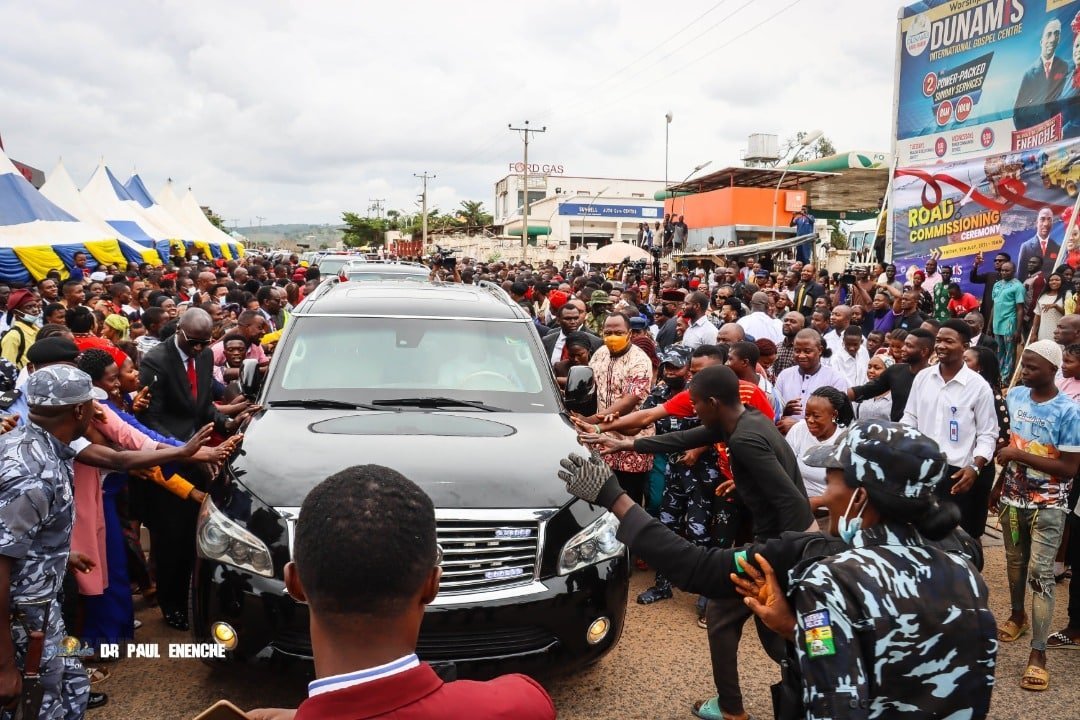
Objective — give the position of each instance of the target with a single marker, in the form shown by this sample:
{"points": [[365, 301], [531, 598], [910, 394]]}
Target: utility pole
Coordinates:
{"points": [[376, 205], [423, 206], [260, 218], [525, 181]]}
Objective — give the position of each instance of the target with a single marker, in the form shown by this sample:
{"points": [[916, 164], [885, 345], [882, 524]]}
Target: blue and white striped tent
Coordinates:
{"points": [[37, 236], [110, 199], [194, 236], [61, 190]]}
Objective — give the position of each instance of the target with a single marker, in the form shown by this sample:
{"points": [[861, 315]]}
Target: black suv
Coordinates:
{"points": [[449, 385]]}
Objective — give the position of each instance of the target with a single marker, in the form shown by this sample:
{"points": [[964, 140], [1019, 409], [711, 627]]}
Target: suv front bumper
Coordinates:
{"points": [[538, 629]]}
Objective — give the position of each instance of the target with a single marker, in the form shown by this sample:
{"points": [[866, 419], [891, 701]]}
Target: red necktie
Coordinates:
{"points": [[565, 352], [192, 381]]}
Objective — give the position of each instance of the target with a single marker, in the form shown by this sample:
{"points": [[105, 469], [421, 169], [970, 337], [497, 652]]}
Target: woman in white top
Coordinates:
{"points": [[827, 412], [1050, 306], [880, 407]]}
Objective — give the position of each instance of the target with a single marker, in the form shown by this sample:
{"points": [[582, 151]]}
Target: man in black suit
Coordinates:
{"points": [[977, 323], [1042, 84], [1041, 245], [671, 301], [179, 373], [988, 280], [807, 292], [570, 320]]}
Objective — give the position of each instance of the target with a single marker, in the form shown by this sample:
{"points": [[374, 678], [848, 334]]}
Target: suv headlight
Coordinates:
{"points": [[219, 538], [595, 543]]}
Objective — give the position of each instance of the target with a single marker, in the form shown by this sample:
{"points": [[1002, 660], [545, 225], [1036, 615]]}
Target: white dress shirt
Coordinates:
{"points": [[834, 341], [851, 367], [760, 325], [556, 352], [701, 332], [934, 405]]}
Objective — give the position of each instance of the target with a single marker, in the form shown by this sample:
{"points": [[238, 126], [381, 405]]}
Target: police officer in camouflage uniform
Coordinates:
{"points": [[36, 513], [891, 620], [686, 506]]}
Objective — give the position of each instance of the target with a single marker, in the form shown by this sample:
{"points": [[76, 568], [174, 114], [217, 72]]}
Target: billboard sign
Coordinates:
{"points": [[1014, 202], [979, 77], [647, 212]]}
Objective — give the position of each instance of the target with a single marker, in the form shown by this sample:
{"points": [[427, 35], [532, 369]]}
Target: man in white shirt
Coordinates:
{"points": [[933, 277], [839, 321], [853, 357], [954, 406], [700, 331], [758, 324]]}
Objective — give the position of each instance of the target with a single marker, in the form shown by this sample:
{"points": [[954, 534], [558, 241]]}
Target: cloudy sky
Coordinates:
{"points": [[296, 111]]}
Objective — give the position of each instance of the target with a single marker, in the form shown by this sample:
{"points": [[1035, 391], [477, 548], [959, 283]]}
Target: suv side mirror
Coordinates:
{"points": [[581, 390], [249, 378]]}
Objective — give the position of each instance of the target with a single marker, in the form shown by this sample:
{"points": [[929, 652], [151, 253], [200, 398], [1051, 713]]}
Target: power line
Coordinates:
{"points": [[698, 59]]}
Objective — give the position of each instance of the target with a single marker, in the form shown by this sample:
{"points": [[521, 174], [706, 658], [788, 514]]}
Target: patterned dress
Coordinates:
{"points": [[628, 374]]}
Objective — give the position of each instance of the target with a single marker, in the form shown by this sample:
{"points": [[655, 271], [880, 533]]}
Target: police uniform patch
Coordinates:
{"points": [[819, 635]]}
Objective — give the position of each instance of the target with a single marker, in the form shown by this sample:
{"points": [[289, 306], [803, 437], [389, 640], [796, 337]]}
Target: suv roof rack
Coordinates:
{"points": [[497, 292]]}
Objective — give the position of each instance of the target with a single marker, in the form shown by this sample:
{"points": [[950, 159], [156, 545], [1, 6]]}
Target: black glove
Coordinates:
{"points": [[590, 479]]}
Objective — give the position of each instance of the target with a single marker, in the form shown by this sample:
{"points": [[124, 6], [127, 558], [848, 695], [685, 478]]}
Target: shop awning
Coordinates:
{"points": [[751, 249]]}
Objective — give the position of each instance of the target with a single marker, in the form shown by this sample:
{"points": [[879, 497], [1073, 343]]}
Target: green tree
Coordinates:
{"points": [[472, 214], [822, 147], [360, 231], [215, 219], [838, 238]]}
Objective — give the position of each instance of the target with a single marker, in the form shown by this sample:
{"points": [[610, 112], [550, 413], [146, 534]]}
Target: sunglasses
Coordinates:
{"points": [[196, 342]]}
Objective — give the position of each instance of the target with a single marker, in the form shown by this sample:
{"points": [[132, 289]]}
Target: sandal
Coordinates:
{"points": [[702, 623], [97, 675], [1060, 641], [1035, 679], [708, 709], [1011, 632]]}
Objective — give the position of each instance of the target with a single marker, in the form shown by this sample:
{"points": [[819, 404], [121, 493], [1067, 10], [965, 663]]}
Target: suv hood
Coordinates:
{"points": [[479, 460]]}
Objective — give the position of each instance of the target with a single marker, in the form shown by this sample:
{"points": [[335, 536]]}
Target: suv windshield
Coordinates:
{"points": [[361, 360], [331, 264]]}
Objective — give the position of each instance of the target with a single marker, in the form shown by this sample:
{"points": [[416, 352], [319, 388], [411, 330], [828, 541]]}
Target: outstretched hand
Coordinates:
{"points": [[763, 596], [197, 440], [590, 479]]}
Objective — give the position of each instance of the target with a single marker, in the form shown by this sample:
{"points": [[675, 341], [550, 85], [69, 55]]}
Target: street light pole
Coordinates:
{"points": [[585, 212], [807, 140]]}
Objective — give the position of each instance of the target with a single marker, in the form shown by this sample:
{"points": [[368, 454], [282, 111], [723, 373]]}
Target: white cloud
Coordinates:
{"points": [[297, 110]]}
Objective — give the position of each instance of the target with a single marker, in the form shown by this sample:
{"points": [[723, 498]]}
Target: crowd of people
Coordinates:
{"points": [[984, 392], [120, 402], [756, 426]]}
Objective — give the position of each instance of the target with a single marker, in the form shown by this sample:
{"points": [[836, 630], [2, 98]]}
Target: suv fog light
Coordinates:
{"points": [[598, 630], [225, 636]]}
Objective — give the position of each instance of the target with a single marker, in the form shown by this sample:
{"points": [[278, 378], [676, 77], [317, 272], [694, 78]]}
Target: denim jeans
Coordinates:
{"points": [[1030, 562]]}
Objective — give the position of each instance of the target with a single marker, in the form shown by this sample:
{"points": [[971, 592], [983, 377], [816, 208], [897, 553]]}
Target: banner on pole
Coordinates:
{"points": [[979, 77], [1011, 202]]}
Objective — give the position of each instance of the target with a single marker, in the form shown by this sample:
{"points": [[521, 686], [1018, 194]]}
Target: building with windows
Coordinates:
{"points": [[577, 214]]}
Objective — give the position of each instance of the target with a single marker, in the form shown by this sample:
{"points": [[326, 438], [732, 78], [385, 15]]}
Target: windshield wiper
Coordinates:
{"points": [[435, 402], [321, 403]]}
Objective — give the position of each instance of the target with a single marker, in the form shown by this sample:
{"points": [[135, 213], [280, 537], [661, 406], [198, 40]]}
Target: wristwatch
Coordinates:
{"points": [[975, 467]]}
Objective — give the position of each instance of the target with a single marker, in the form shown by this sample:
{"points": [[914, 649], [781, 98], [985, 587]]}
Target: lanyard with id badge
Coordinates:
{"points": [[954, 426]]}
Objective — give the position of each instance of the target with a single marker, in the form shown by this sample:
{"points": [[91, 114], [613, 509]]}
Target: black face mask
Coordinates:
{"points": [[675, 383]]}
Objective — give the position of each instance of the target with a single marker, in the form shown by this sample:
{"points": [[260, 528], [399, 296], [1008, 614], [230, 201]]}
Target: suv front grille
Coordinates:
{"points": [[480, 556]]}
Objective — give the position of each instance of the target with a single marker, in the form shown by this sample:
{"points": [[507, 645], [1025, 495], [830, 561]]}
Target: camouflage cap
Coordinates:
{"points": [[676, 356], [888, 456], [61, 385], [599, 297]]}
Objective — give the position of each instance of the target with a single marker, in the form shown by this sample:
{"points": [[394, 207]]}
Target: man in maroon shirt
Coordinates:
{"points": [[366, 562]]}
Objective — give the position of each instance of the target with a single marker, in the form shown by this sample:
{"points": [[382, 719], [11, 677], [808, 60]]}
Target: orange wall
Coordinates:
{"points": [[731, 206]]}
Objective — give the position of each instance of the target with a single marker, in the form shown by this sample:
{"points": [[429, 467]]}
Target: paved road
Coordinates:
{"points": [[659, 668]]}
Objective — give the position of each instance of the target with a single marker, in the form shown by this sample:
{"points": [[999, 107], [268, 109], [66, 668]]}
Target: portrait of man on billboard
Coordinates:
{"points": [[1040, 245], [1043, 82]]}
